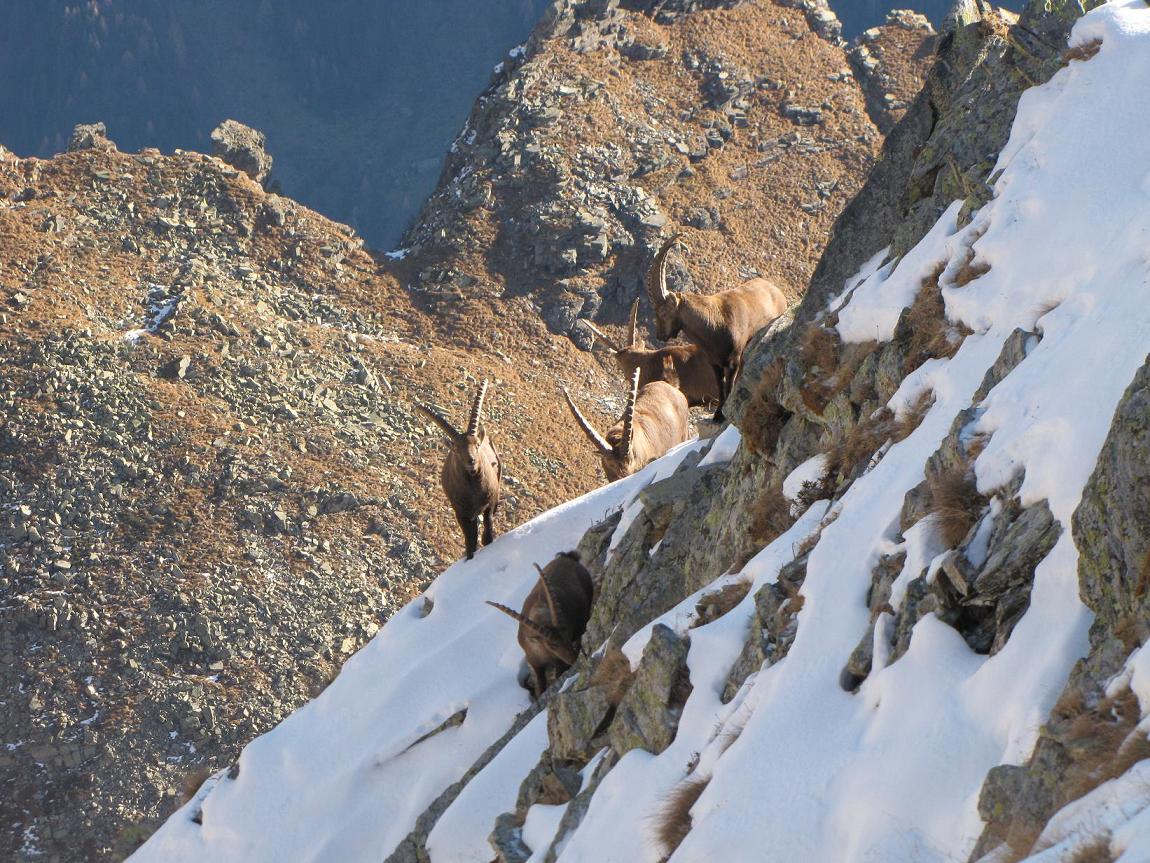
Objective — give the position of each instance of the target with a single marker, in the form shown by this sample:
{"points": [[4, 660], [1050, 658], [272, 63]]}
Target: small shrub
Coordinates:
{"points": [[673, 821], [955, 504]]}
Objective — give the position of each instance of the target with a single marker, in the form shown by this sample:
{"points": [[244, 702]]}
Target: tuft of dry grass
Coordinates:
{"points": [[613, 673], [930, 332], [847, 458], [673, 821], [970, 271], [820, 349], [1081, 52], [770, 515], [904, 426], [192, 782], [1097, 851], [713, 605], [764, 417], [955, 504]]}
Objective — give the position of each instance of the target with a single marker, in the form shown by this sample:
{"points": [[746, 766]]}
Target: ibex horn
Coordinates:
{"points": [[633, 325], [629, 416], [434, 416], [657, 274], [476, 410], [602, 336], [563, 651], [588, 429], [547, 593]]}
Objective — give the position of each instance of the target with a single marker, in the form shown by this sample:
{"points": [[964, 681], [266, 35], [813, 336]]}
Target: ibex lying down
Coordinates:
{"points": [[696, 377], [471, 474], [554, 616], [720, 324], [654, 421]]}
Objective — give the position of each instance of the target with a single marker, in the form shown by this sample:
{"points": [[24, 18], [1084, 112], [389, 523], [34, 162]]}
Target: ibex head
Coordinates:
{"points": [[616, 451], [467, 444], [666, 302]]}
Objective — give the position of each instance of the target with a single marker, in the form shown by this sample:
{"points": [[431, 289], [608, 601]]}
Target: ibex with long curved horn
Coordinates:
{"points": [[554, 616], [654, 420], [720, 324], [471, 474], [696, 377]]}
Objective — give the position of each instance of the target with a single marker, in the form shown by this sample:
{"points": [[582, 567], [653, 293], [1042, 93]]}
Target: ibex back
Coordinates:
{"points": [[554, 616], [471, 474], [720, 324], [696, 377], [654, 420]]}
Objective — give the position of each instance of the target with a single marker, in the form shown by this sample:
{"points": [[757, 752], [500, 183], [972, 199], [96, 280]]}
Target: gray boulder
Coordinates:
{"points": [[243, 148]]}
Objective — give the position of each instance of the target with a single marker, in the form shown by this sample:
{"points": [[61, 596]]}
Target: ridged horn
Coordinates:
{"points": [[602, 336], [633, 325], [435, 417], [547, 593], [476, 410], [629, 416], [588, 429], [657, 274], [557, 646]]}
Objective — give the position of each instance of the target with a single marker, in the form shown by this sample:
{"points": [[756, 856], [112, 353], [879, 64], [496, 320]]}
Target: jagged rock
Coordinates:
{"points": [[507, 840], [648, 715], [577, 717], [242, 147], [577, 808], [90, 136], [1112, 524]]}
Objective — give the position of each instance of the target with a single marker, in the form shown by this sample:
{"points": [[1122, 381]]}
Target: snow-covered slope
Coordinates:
{"points": [[889, 773]]}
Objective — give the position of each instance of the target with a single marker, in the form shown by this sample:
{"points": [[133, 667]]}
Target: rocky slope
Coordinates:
{"points": [[214, 488], [902, 619]]}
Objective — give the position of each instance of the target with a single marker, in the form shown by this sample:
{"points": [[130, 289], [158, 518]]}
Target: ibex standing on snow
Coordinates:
{"points": [[720, 324], [554, 616], [696, 377], [471, 474], [654, 421]]}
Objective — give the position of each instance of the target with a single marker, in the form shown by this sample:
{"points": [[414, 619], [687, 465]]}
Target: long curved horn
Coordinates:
{"points": [[588, 429], [633, 325], [657, 274], [547, 593], [476, 410], [434, 416], [629, 416], [554, 642], [602, 336]]}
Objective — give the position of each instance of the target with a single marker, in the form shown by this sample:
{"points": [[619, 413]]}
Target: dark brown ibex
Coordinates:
{"points": [[720, 324], [696, 377], [654, 420], [471, 474], [554, 616]]}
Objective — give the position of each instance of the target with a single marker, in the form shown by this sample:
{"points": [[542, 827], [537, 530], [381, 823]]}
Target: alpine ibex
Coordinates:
{"points": [[696, 377], [720, 324], [654, 421], [554, 616], [471, 474]]}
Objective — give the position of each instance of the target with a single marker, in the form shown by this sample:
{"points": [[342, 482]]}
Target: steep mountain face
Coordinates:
{"points": [[896, 615], [214, 486]]}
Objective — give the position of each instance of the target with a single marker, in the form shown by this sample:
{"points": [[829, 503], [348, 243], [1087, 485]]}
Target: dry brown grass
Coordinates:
{"points": [[764, 417], [930, 332], [847, 458], [1109, 742], [970, 271], [954, 504], [673, 821], [1081, 52], [711, 606], [770, 515], [192, 782], [820, 349], [613, 673], [904, 426], [1097, 851]]}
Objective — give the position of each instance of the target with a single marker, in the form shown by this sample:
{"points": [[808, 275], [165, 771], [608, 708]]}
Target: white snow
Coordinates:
{"points": [[810, 471], [816, 774]]}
